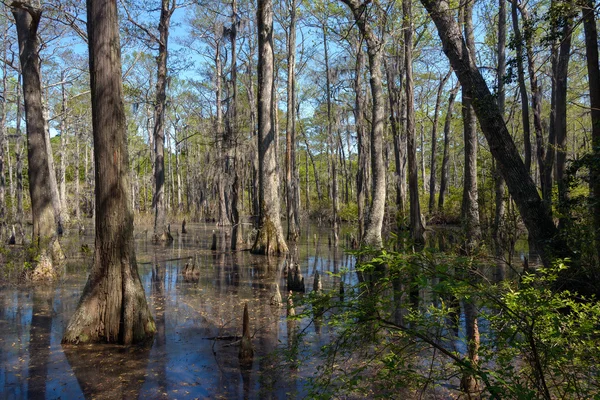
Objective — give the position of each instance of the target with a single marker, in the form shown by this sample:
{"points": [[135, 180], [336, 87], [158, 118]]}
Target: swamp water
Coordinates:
{"points": [[194, 353]]}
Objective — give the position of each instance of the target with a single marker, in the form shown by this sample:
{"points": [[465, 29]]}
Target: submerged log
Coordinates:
{"points": [[246, 351]]}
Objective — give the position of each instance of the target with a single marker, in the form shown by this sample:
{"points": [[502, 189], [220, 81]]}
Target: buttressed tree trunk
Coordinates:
{"points": [[535, 214], [27, 19], [269, 239], [374, 223], [113, 305]]}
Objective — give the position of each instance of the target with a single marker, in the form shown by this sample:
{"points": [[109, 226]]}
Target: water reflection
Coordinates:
{"points": [[199, 322]]}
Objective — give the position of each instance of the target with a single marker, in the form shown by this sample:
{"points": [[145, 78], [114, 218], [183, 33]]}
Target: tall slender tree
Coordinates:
{"points": [[416, 225]]}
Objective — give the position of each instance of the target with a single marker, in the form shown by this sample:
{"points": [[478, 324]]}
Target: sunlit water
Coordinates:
{"points": [[184, 360]]}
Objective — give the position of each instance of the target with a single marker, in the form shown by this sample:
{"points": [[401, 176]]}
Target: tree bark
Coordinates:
{"points": [[416, 225], [534, 212], [270, 239], [362, 174], [113, 305], [470, 206], [27, 19], [499, 214]]}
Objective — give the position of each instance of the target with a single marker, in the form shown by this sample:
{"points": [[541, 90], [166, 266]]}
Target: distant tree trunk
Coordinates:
{"points": [[270, 239], [290, 159], [27, 19], [395, 71], [446, 155], [54, 194], [236, 232], [416, 225], [315, 171], [362, 174], [113, 305], [19, 162], [497, 229], [470, 206], [433, 166], [3, 224], [166, 11], [330, 140], [535, 213], [76, 177], [62, 180], [593, 68], [522, 86], [374, 223], [560, 116]]}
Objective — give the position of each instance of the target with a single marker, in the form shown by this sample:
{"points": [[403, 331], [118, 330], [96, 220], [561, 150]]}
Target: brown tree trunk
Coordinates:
{"points": [[374, 223], [470, 206], [270, 239], [446, 155], [113, 305], [362, 175], [560, 117], [534, 212], [416, 225], [236, 231], [522, 86], [331, 141], [591, 51], [433, 166], [3, 225], [290, 159], [497, 229], [166, 11], [27, 19], [395, 71]]}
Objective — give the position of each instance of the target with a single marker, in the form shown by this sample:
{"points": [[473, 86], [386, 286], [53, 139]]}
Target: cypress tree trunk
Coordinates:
{"points": [[27, 19], [470, 206], [113, 305], [269, 239], [160, 228], [362, 175], [416, 225], [374, 223]]}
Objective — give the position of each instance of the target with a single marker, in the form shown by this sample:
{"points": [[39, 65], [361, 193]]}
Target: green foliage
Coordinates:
{"points": [[397, 331]]}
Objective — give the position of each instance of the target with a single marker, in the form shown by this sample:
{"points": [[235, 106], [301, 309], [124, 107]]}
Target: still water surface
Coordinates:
{"points": [[185, 360]]}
